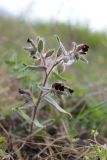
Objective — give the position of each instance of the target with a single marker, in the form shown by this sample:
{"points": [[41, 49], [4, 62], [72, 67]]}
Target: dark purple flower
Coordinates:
{"points": [[60, 87], [85, 48]]}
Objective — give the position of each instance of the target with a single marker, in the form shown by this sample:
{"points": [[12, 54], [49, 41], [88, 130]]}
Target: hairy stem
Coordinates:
{"points": [[40, 96], [37, 104]]}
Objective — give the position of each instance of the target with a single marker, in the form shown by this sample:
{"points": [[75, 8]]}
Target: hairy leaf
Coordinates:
{"points": [[50, 52], [55, 104], [36, 68], [27, 105], [61, 46], [40, 45], [83, 59], [28, 119], [59, 52], [58, 76]]}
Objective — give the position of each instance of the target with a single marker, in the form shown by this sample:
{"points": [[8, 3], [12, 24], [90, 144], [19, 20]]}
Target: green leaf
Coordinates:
{"points": [[50, 52], [40, 45], [58, 76], [27, 105], [55, 104], [38, 124], [59, 52], [28, 119], [36, 68], [83, 59], [61, 46], [58, 39]]}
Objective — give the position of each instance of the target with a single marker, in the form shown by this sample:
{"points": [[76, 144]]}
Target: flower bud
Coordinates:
{"points": [[82, 48], [32, 49], [26, 95]]}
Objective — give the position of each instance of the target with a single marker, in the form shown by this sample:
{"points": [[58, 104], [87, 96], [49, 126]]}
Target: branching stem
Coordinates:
{"points": [[40, 96]]}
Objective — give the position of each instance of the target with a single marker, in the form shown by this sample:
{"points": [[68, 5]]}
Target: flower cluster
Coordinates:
{"points": [[78, 52], [50, 60], [61, 57]]}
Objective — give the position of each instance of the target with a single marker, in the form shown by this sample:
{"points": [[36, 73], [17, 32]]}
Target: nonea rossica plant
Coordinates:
{"points": [[47, 63]]}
